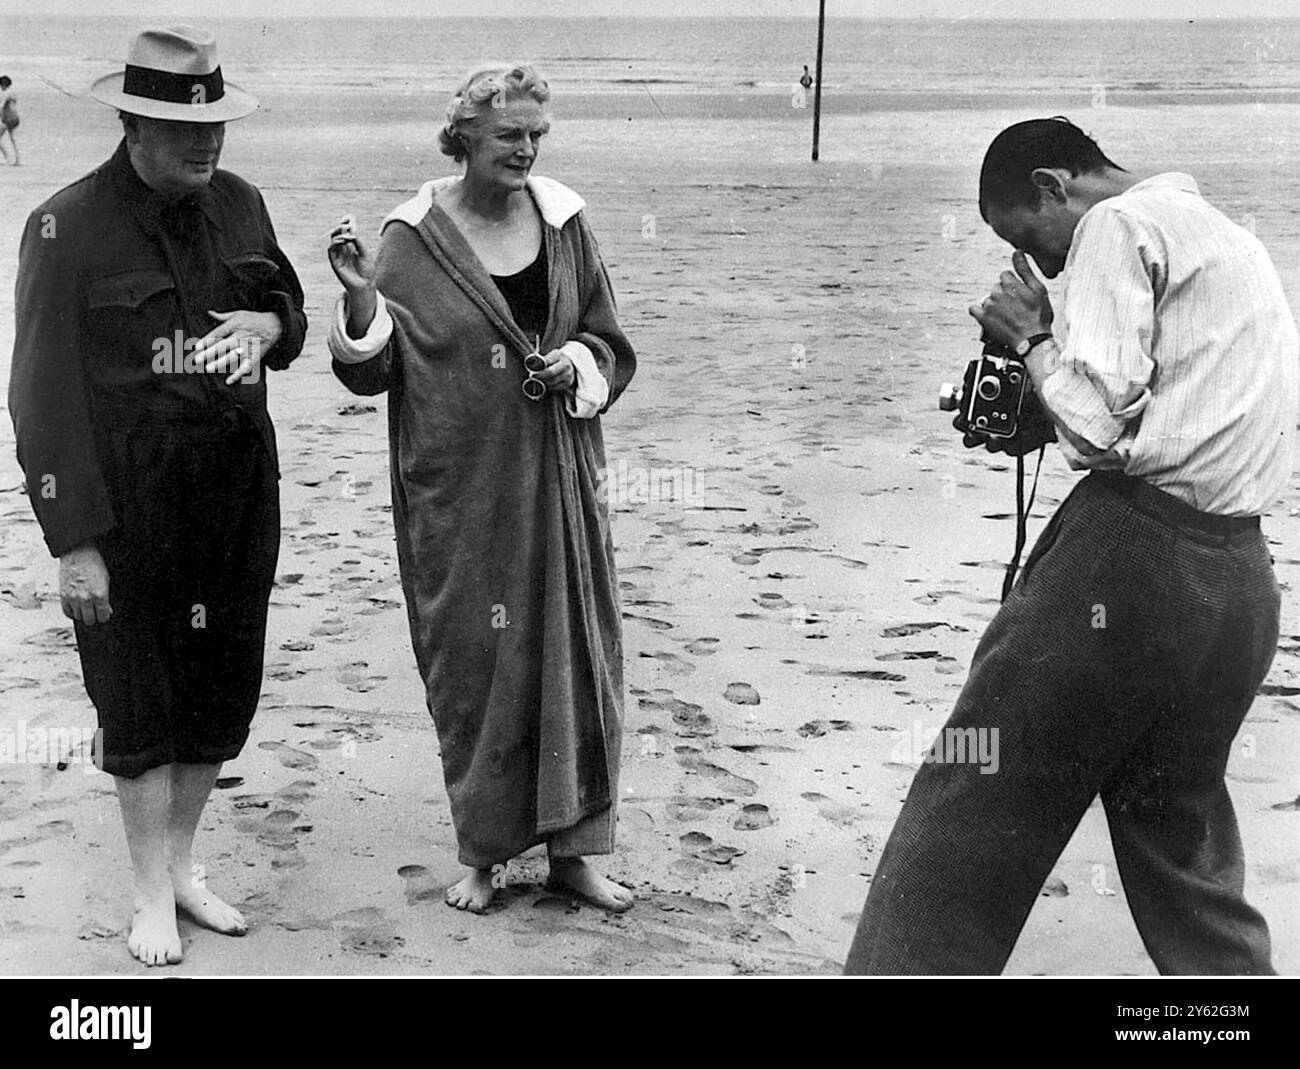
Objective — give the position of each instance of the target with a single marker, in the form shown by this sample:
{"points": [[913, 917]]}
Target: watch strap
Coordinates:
{"points": [[1024, 348]]}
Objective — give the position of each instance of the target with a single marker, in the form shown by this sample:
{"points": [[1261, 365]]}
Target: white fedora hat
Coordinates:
{"points": [[173, 73]]}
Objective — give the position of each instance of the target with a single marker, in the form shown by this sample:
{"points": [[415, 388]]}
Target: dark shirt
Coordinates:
{"points": [[526, 293], [112, 280]]}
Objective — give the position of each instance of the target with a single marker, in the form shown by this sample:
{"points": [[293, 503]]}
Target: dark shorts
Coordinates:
{"points": [[176, 673]]}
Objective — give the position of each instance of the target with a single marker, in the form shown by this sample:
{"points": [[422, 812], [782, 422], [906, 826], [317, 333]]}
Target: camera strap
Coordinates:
{"points": [[1022, 517]]}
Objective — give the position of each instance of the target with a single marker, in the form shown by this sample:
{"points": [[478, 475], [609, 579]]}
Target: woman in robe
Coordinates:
{"points": [[488, 317]]}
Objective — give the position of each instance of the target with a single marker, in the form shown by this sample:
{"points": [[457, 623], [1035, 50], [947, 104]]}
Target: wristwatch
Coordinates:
{"points": [[1022, 350]]}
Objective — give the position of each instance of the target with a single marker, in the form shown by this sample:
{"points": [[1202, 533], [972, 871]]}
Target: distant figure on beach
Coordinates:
{"points": [[805, 79], [150, 461], [1129, 651], [488, 316], [8, 116]]}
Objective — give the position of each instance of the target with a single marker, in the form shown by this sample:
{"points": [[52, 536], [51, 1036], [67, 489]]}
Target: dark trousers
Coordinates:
{"points": [[1122, 664], [176, 674]]}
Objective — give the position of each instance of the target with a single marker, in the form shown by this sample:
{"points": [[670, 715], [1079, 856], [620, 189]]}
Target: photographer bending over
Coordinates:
{"points": [[1127, 655]]}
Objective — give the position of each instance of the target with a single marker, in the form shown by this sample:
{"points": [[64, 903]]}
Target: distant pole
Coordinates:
{"points": [[817, 91]]}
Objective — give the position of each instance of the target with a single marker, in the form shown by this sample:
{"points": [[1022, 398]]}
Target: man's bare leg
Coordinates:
{"points": [[190, 787], [473, 892], [574, 874], [144, 803]]}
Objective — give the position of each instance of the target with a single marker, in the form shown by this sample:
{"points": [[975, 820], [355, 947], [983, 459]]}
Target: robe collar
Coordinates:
{"points": [[556, 202]]}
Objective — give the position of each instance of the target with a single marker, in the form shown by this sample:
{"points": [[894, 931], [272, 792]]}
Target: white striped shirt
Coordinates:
{"points": [[1180, 359]]}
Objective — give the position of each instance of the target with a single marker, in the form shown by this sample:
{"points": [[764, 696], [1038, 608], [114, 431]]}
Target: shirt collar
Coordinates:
{"points": [[1168, 180]]}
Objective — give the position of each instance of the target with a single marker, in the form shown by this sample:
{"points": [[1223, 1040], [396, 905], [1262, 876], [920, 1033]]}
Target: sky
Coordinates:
{"points": [[855, 8]]}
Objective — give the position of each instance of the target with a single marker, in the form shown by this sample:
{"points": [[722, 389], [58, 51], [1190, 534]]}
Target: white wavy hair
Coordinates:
{"points": [[475, 96]]}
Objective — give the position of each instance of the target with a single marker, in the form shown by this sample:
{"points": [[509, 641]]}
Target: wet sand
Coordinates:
{"points": [[807, 554]]}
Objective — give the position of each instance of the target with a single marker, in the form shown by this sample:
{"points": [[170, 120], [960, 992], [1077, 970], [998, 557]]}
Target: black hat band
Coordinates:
{"points": [[173, 88]]}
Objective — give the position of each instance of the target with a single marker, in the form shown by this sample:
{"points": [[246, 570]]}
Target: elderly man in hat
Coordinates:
{"points": [[150, 295]]}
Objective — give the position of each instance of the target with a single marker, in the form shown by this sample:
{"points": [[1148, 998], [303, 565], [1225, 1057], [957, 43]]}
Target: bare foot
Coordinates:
{"points": [[473, 893], [574, 874], [192, 895], [154, 939]]}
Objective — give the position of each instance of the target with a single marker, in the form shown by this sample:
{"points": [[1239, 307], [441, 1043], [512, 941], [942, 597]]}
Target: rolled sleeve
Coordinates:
{"points": [[348, 350], [590, 388]]}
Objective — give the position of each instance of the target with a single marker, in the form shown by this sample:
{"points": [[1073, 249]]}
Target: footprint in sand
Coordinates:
{"points": [[856, 673], [376, 605], [753, 817], [815, 729], [225, 783], [1055, 887], [903, 630], [98, 930], [698, 845], [848, 562], [18, 683], [772, 601], [649, 621], [691, 760], [367, 931], [741, 694], [297, 792], [934, 596], [835, 812], [418, 885], [288, 756], [689, 717], [51, 638], [355, 677], [670, 661], [277, 828], [703, 647], [685, 809]]}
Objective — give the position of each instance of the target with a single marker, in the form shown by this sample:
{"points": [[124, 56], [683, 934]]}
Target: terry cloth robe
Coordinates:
{"points": [[503, 534]]}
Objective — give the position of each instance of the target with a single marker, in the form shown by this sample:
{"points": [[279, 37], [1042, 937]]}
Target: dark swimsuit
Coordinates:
{"points": [[527, 294]]}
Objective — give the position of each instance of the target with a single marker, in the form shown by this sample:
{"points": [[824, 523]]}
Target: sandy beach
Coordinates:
{"points": [[807, 556]]}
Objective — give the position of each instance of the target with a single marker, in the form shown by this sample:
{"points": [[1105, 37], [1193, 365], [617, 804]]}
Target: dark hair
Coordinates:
{"points": [[1006, 177], [5, 81]]}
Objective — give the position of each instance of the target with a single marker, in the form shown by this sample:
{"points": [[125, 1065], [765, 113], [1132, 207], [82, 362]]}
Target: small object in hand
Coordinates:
{"points": [[533, 387], [346, 231]]}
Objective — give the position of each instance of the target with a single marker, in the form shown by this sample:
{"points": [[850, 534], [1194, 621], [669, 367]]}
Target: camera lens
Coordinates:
{"points": [[990, 387]]}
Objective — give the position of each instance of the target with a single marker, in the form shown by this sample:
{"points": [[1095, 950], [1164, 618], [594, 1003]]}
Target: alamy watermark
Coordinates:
{"points": [[948, 746], [623, 485], [56, 747]]}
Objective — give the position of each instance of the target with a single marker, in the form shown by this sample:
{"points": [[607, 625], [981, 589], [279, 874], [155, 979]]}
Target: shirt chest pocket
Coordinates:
{"points": [[126, 313], [127, 290], [251, 276]]}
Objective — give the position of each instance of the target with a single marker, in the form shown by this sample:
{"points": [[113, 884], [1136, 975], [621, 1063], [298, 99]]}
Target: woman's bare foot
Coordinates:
{"points": [[473, 893], [574, 874], [154, 939], [192, 895]]}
